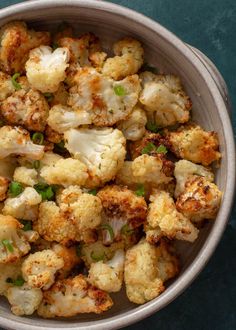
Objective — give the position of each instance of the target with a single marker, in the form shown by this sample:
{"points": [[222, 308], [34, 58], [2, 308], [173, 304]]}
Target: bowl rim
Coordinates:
{"points": [[214, 236]]}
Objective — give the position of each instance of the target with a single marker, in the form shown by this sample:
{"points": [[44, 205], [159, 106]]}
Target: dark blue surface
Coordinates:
{"points": [[210, 25]]}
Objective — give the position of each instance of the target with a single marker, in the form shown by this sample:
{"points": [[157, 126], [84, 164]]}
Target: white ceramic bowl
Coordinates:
{"points": [[209, 95]]}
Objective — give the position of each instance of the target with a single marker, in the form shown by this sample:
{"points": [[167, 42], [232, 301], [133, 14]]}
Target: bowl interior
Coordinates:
{"points": [[110, 26]]}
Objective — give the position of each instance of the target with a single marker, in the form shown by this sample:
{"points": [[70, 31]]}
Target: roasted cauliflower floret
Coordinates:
{"points": [[52, 136], [46, 69], [6, 86], [163, 220], [26, 108], [23, 206], [7, 167], [4, 183], [73, 296], [164, 98], [60, 96], [13, 244], [101, 150], [122, 209], [200, 199], [16, 42], [108, 276], [192, 143], [65, 172], [16, 140], [133, 127], [26, 176], [141, 273], [38, 269], [24, 300], [9, 273], [128, 60], [101, 98], [184, 169]]}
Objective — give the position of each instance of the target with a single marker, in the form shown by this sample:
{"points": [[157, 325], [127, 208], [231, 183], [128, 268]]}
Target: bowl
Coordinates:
{"points": [[210, 109]]}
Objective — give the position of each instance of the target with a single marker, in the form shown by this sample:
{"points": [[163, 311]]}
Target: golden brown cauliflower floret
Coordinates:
{"points": [[141, 273], [163, 220], [108, 276], [192, 143], [73, 296], [65, 172], [23, 206], [39, 269], [46, 69], [28, 109], [101, 150], [6, 86], [4, 183], [101, 98], [122, 209], [133, 127], [13, 244], [200, 199], [16, 42], [24, 300], [52, 136], [128, 60], [26, 176], [164, 99], [8, 274], [16, 140]]}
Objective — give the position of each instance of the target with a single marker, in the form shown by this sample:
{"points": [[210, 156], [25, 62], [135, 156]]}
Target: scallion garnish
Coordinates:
{"points": [[107, 227], [38, 138], [97, 257], [148, 148], [15, 189], [27, 225], [119, 90], [8, 245], [161, 149], [140, 190], [14, 82], [36, 164], [93, 192]]}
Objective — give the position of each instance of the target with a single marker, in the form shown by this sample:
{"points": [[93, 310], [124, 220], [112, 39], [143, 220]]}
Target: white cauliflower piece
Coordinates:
{"points": [[65, 172], [73, 296], [45, 69], [128, 60], [163, 220], [26, 176], [4, 183], [6, 86], [8, 274], [164, 98], [101, 150], [102, 99], [61, 118], [185, 169], [50, 159], [133, 127], [24, 300], [23, 206], [13, 243], [108, 276], [200, 199], [39, 269], [16, 140], [141, 273]]}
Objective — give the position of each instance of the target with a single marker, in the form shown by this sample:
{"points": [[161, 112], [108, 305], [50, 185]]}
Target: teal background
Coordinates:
{"points": [[210, 25]]}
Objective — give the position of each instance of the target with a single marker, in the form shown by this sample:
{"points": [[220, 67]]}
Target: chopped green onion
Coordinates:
{"points": [[38, 138], [97, 257], [49, 96], [126, 230], [161, 149], [14, 82], [8, 245], [36, 164], [151, 126], [148, 148], [55, 45], [119, 90], [19, 281], [140, 190], [93, 192], [47, 192], [107, 227], [27, 225], [15, 188]]}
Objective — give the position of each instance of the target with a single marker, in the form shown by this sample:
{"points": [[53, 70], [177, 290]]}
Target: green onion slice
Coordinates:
{"points": [[49, 96], [36, 164], [15, 188], [8, 245], [148, 148], [119, 90], [93, 192], [97, 257], [19, 281], [161, 149], [107, 227], [14, 82], [126, 230], [151, 126], [140, 190], [38, 138], [27, 225], [47, 192]]}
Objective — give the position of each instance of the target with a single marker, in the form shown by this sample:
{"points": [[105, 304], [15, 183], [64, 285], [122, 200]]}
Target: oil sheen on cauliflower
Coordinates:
{"points": [[38, 269], [45, 68], [164, 99], [128, 60], [101, 150], [73, 296], [16, 42], [101, 98], [163, 220], [16, 140], [192, 143]]}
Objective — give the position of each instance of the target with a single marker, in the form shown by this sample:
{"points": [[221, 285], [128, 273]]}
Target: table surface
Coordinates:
{"points": [[210, 25]]}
